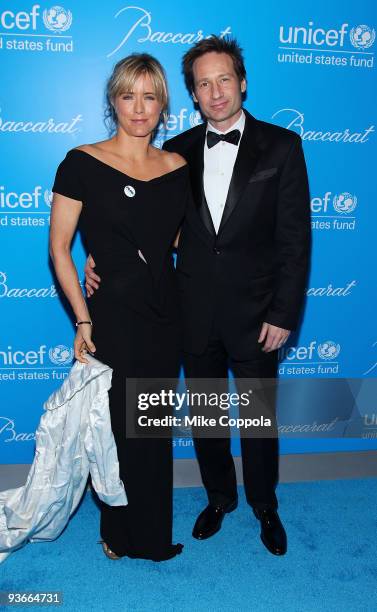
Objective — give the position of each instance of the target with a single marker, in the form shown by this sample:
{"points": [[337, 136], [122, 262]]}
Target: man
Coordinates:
{"points": [[242, 261]]}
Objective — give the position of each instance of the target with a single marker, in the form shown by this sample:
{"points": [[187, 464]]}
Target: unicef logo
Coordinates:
{"points": [[57, 19], [362, 36], [60, 355], [328, 350], [195, 118], [344, 203], [47, 196]]}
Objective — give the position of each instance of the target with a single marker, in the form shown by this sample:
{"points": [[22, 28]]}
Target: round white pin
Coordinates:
{"points": [[129, 191]]}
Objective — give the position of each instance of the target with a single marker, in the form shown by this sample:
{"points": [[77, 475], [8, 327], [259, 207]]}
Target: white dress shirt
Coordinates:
{"points": [[218, 169]]}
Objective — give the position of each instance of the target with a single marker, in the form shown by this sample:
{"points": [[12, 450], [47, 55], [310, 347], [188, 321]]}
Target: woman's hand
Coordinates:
{"points": [[83, 342]]}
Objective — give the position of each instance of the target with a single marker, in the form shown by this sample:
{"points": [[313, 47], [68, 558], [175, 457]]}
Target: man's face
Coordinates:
{"points": [[217, 89]]}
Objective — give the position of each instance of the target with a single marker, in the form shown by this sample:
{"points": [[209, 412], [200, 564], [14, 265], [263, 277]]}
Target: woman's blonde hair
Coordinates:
{"points": [[123, 78]]}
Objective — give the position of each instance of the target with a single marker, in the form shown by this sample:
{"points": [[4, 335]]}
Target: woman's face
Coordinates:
{"points": [[138, 111]]}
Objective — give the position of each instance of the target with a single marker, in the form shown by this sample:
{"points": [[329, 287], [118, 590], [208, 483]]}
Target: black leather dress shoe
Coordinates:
{"points": [[209, 521], [272, 533]]}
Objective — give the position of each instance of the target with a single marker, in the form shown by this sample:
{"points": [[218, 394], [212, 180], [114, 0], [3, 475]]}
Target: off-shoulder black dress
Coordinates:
{"points": [[136, 328]]}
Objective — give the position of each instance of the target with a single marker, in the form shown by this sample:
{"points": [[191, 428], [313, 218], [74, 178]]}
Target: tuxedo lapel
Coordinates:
{"points": [[196, 167], [247, 158]]}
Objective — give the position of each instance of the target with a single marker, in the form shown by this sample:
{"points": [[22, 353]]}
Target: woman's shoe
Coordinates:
{"points": [[108, 552]]}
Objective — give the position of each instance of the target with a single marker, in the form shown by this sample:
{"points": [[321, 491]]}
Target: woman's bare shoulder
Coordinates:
{"points": [[94, 146], [173, 161]]}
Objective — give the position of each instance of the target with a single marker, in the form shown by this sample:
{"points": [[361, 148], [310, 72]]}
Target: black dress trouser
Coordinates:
{"points": [[260, 455]]}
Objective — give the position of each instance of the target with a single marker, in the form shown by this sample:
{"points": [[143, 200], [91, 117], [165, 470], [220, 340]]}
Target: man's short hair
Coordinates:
{"points": [[208, 45]]}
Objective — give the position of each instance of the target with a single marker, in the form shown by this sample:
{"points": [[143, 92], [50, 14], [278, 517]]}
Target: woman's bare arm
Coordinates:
{"points": [[64, 218]]}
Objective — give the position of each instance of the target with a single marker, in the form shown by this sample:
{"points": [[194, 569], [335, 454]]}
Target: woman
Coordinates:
{"points": [[128, 199]]}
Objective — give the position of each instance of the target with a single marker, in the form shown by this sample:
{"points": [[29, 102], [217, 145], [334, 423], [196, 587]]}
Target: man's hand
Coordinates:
{"points": [[91, 278], [275, 337]]}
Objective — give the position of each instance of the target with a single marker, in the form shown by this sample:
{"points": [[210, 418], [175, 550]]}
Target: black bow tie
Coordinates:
{"points": [[232, 137]]}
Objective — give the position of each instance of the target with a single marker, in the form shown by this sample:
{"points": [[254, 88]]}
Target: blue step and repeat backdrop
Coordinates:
{"points": [[311, 68]]}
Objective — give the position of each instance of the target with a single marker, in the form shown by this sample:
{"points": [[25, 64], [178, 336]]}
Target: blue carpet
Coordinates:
{"points": [[330, 565]]}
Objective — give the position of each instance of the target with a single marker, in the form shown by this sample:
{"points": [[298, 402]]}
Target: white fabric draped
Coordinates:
{"points": [[74, 437]]}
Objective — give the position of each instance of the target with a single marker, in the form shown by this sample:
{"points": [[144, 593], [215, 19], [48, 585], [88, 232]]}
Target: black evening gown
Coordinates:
{"points": [[136, 328]]}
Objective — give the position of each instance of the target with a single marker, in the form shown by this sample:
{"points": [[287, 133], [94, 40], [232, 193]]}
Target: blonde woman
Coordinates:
{"points": [[128, 198]]}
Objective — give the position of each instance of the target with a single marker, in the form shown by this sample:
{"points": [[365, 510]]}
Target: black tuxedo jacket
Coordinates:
{"points": [[255, 268]]}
